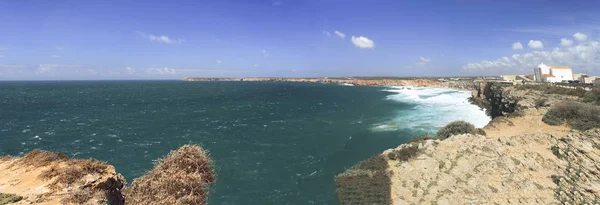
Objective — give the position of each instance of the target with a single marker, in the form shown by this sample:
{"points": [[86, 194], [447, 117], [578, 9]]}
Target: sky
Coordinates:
{"points": [[150, 39]]}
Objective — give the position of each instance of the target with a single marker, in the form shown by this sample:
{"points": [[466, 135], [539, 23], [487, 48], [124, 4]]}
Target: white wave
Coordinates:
{"points": [[347, 84], [432, 108]]}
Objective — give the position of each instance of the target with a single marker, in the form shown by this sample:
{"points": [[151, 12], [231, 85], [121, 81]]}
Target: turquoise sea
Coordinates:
{"points": [[272, 142]]}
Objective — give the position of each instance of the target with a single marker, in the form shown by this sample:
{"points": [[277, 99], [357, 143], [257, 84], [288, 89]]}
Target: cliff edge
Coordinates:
{"points": [[41, 177], [519, 160]]}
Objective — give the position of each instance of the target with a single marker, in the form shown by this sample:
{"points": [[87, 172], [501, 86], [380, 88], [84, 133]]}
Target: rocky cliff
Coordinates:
{"points": [[41, 177], [520, 160]]}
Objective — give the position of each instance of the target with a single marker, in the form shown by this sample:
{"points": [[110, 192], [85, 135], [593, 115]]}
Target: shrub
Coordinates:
{"points": [[455, 128], [182, 177], [366, 183], [540, 102], [549, 89], [38, 158], [9, 198], [578, 115], [592, 96], [404, 154], [421, 138]]}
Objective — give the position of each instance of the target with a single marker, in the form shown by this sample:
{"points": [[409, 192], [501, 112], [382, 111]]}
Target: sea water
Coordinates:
{"points": [[271, 142]]}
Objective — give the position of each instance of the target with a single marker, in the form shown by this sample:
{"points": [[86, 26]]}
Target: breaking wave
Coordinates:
{"points": [[431, 108]]}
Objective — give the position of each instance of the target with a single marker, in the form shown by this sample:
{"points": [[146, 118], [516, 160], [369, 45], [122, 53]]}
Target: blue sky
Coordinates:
{"points": [[48, 40]]}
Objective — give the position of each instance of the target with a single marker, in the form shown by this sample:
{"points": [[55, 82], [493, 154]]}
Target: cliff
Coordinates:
{"points": [[41, 177], [520, 160]]}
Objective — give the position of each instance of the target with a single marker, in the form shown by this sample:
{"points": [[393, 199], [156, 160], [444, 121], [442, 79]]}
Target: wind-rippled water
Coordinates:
{"points": [[272, 142]]}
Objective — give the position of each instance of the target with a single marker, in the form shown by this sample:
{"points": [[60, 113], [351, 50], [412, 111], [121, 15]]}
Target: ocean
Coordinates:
{"points": [[271, 142]]}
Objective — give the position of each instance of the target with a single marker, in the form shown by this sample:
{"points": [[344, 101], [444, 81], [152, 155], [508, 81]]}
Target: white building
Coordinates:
{"points": [[552, 74], [589, 79]]}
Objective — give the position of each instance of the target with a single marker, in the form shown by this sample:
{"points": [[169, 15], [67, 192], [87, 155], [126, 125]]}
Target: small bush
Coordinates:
{"points": [[9, 198], [549, 89], [541, 102], [180, 178], [592, 96], [366, 183], [578, 115], [404, 154], [455, 128]]}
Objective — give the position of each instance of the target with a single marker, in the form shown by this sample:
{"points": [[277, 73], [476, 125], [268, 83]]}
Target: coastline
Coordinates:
{"points": [[520, 159]]}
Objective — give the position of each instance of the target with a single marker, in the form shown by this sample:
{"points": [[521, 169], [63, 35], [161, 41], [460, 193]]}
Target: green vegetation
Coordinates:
{"points": [[592, 96], [404, 154], [458, 127], [182, 177], [366, 183], [549, 89], [9, 198], [369, 181], [581, 116]]}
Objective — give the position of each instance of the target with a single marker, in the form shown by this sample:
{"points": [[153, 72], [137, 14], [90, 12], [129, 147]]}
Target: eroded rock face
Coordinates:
{"points": [[42, 180]]}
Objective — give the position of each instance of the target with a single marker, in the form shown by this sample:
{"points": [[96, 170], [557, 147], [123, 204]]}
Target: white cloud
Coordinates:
{"points": [[162, 39], [255, 65], [423, 61], [340, 34], [277, 3], [161, 71], [3, 48], [219, 61], [580, 36], [517, 46], [580, 57], [130, 70], [55, 56], [48, 68], [294, 70], [566, 42], [59, 48], [326, 33], [362, 42], [264, 52], [535, 44]]}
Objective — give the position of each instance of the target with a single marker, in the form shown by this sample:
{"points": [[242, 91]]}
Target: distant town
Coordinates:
{"points": [[551, 74]]}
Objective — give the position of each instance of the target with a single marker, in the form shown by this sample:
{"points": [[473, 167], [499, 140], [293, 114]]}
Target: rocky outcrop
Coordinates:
{"points": [[51, 178], [536, 168], [495, 98], [520, 160]]}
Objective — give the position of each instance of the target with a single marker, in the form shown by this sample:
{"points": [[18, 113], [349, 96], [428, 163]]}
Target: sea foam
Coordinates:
{"points": [[431, 109]]}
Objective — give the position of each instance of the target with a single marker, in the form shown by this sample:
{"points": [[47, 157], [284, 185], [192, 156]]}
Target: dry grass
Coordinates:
{"points": [[180, 178], [72, 171], [404, 154], [38, 158], [5, 158], [366, 183], [9, 198]]}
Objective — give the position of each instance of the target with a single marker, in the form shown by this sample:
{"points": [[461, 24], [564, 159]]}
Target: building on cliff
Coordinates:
{"points": [[552, 74]]}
